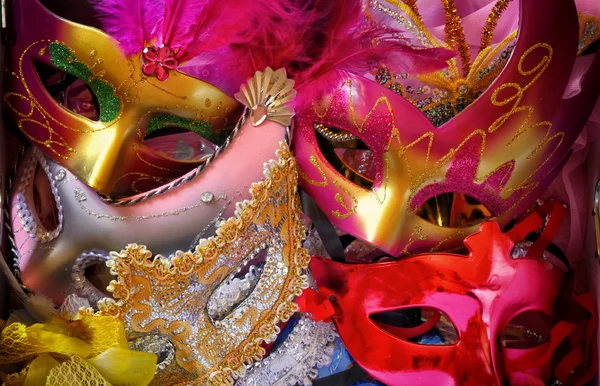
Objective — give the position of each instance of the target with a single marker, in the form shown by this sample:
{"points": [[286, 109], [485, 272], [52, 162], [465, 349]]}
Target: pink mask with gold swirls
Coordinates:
{"points": [[425, 188]]}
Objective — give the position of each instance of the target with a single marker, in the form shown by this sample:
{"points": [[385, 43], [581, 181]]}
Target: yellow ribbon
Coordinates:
{"points": [[67, 350]]}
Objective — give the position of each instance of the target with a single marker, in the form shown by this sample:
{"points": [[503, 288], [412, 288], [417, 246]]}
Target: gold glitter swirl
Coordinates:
{"points": [[315, 162], [492, 22], [340, 200]]}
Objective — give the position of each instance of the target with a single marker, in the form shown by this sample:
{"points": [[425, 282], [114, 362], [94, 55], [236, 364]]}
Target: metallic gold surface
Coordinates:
{"points": [[105, 154], [454, 210], [409, 165], [267, 95]]}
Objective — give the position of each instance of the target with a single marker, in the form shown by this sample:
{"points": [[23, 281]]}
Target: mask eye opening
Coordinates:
{"points": [[453, 210], [44, 202], [69, 91], [232, 293], [180, 138], [342, 150], [527, 330], [420, 325]]}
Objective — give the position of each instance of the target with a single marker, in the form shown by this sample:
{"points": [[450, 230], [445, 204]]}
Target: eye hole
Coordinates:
{"points": [[91, 276], [69, 91], [43, 200], [453, 210], [183, 139], [230, 294], [99, 276], [527, 330], [350, 156], [422, 325]]}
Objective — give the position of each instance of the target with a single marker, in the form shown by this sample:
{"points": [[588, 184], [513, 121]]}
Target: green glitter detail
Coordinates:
{"points": [[199, 127], [63, 58]]}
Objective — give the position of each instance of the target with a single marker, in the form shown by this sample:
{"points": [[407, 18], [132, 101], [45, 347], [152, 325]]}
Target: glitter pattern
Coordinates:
{"points": [[199, 127], [442, 95], [231, 293], [308, 347], [63, 58], [461, 178], [169, 296], [589, 32]]}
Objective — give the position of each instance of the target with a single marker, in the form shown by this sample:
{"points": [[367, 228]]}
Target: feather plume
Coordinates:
{"points": [[37, 307], [311, 37], [131, 22], [351, 45]]}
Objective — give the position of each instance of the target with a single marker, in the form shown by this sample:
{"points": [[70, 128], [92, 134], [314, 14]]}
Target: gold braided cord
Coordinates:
{"points": [[491, 23], [455, 34]]}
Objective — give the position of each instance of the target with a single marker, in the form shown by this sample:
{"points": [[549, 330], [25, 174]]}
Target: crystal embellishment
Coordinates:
{"points": [[207, 197]]}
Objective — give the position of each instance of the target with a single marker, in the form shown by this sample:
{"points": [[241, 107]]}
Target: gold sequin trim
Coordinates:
{"points": [[169, 296]]}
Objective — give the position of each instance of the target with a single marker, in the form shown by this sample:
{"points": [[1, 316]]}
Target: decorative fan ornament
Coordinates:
{"points": [[267, 95]]}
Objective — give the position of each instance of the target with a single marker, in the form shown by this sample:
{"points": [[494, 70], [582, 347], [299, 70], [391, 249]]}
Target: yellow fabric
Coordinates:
{"points": [[123, 367], [39, 369], [15, 379], [76, 372], [15, 345], [51, 341], [100, 339], [105, 332]]}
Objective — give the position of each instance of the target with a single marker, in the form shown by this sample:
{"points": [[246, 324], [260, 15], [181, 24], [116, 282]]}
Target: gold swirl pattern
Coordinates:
{"points": [[170, 295], [427, 168]]}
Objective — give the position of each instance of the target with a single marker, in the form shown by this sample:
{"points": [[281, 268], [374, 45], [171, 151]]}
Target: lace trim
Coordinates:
{"points": [[308, 347]]}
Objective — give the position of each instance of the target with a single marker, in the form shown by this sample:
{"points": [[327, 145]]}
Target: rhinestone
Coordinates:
{"points": [[60, 175], [463, 89], [590, 30], [207, 197]]}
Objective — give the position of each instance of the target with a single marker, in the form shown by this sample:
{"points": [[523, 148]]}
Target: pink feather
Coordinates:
{"points": [[352, 46], [310, 37], [131, 22]]}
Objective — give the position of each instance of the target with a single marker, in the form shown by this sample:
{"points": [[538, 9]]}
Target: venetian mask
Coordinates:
{"points": [[130, 93], [382, 171], [63, 230], [501, 303]]}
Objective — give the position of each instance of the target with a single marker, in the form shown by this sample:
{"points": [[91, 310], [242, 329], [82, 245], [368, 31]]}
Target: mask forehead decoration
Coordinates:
{"points": [[480, 294], [133, 92], [381, 171]]}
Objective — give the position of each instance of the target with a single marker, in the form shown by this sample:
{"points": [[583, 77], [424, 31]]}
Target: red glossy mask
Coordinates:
{"points": [[481, 294]]}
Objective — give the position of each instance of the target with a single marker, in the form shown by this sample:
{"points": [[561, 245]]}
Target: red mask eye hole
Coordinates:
{"points": [[527, 330], [422, 325], [69, 91], [350, 156], [453, 210]]}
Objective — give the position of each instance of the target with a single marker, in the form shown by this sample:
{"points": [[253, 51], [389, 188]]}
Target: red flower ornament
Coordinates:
{"points": [[158, 61]]}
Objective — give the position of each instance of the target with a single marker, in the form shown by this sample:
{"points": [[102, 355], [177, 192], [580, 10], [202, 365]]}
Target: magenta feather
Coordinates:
{"points": [[352, 46], [131, 22], [311, 37]]}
